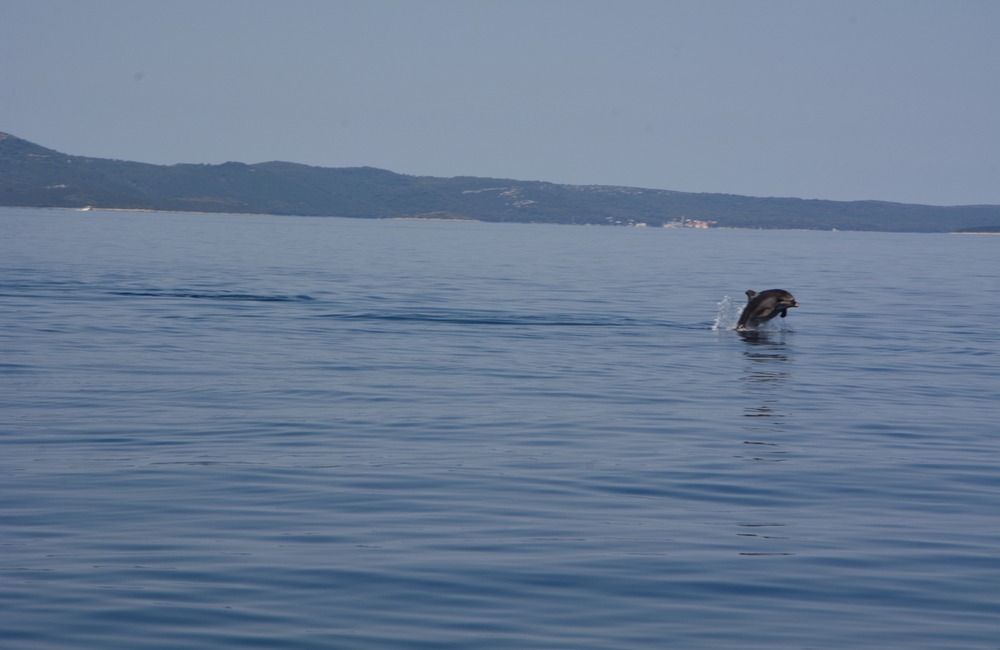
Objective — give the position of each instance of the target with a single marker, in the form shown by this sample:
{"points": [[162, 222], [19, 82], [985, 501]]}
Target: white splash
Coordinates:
{"points": [[728, 315]]}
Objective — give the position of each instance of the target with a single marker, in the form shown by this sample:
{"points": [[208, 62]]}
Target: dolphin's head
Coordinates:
{"points": [[783, 302], [787, 300]]}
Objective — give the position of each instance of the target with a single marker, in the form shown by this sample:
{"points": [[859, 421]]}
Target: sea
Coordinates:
{"points": [[240, 431]]}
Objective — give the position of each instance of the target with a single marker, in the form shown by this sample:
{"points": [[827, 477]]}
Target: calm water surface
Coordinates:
{"points": [[245, 431]]}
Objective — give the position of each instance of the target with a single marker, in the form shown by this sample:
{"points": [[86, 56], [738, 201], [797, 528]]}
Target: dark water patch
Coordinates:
{"points": [[488, 318], [500, 318], [217, 295]]}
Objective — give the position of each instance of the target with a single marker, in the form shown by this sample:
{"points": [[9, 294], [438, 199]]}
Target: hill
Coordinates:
{"points": [[32, 175]]}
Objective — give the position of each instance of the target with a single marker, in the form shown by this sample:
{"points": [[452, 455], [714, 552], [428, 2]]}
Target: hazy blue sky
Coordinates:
{"points": [[895, 99]]}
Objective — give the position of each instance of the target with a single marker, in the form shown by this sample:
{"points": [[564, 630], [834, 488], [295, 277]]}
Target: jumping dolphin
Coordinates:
{"points": [[762, 307]]}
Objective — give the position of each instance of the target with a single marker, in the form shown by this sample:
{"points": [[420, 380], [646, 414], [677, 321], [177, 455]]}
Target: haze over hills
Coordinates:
{"points": [[34, 176]]}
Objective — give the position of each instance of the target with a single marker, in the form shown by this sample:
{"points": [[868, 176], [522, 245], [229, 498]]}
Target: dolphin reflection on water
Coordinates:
{"points": [[762, 307]]}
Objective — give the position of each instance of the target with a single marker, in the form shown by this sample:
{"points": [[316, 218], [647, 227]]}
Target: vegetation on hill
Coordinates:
{"points": [[31, 175]]}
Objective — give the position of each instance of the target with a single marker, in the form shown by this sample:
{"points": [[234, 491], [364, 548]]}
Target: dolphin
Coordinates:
{"points": [[762, 307]]}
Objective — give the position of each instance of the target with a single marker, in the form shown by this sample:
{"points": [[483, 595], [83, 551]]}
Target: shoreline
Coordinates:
{"points": [[471, 220]]}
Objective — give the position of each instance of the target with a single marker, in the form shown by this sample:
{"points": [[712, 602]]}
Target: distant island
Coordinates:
{"points": [[33, 176]]}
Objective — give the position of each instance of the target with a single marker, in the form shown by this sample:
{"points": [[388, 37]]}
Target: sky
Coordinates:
{"points": [[894, 100]]}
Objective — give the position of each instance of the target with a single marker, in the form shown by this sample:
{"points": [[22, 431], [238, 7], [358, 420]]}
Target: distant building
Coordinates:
{"points": [[684, 222]]}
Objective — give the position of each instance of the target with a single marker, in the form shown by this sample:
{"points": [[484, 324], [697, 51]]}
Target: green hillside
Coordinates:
{"points": [[31, 175]]}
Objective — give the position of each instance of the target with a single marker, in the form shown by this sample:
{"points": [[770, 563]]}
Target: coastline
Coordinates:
{"points": [[465, 220]]}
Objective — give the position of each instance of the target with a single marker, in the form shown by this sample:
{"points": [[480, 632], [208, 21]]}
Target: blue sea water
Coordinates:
{"points": [[235, 431]]}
